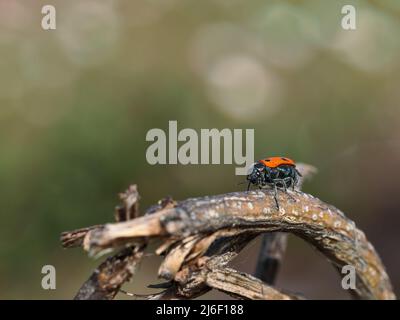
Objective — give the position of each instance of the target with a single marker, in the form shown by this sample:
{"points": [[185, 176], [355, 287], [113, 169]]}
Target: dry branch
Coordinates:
{"points": [[106, 281], [273, 245], [241, 285], [202, 235]]}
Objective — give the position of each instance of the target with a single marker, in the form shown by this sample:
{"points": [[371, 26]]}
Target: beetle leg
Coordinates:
{"points": [[276, 195], [292, 182], [281, 181]]}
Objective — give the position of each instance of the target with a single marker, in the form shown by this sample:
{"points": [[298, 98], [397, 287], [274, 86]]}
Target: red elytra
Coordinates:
{"points": [[274, 162]]}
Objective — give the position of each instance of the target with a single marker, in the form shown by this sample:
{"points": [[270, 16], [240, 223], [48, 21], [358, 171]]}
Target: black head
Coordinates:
{"points": [[256, 174]]}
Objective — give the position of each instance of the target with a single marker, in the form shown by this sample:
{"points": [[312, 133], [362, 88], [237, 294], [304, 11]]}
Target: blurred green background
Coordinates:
{"points": [[76, 104]]}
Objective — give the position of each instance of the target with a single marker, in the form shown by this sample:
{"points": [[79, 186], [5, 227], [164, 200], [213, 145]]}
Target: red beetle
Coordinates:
{"points": [[274, 171]]}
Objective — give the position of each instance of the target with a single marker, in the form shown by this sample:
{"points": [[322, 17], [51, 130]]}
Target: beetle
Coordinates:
{"points": [[279, 172]]}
